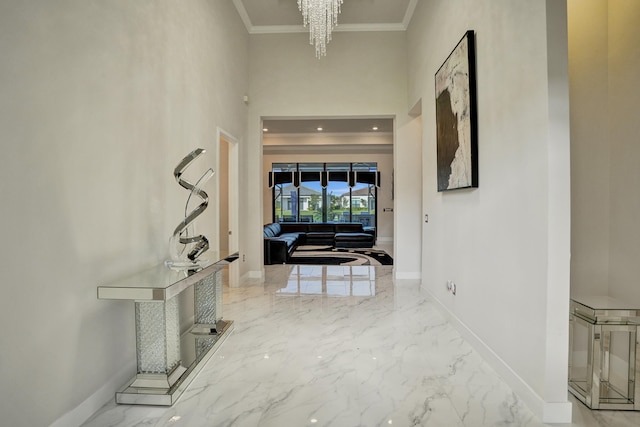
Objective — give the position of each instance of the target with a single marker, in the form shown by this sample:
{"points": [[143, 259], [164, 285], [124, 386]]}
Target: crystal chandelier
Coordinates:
{"points": [[321, 16]]}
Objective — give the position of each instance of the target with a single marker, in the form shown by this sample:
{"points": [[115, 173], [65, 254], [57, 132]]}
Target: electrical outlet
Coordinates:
{"points": [[451, 286]]}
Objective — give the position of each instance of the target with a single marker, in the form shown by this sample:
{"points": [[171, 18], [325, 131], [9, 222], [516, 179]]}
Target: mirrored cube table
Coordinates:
{"points": [[604, 355], [168, 360]]}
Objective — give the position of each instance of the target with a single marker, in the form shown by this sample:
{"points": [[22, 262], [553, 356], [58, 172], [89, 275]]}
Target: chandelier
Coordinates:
{"points": [[321, 16]]}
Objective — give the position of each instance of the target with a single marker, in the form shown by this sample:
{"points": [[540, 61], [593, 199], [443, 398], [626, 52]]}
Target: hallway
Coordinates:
{"points": [[342, 346]]}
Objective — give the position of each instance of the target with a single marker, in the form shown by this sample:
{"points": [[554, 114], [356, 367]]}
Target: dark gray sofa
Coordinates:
{"points": [[281, 239]]}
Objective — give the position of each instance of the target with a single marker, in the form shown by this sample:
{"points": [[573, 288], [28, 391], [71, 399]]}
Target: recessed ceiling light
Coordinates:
{"points": [[375, 128], [319, 129]]}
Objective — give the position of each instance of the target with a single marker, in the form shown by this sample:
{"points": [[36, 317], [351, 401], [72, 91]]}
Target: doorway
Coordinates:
{"points": [[332, 143], [227, 200]]}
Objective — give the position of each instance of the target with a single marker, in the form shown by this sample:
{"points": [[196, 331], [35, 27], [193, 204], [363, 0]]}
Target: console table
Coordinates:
{"points": [[604, 353], [167, 361]]}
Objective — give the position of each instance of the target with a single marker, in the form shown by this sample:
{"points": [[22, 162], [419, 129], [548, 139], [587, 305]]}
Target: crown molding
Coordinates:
{"points": [[368, 27], [276, 29], [411, 8], [243, 14]]}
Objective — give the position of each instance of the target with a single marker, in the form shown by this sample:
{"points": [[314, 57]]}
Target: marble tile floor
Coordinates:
{"points": [[342, 346]]}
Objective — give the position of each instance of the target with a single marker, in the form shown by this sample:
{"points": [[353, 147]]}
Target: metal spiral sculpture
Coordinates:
{"points": [[184, 246]]}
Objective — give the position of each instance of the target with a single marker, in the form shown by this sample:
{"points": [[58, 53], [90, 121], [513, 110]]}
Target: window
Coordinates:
{"points": [[325, 192]]}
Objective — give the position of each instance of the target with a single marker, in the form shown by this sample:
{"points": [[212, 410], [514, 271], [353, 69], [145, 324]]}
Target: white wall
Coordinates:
{"points": [[100, 100], [363, 74], [624, 128], [407, 201], [590, 146], [604, 59], [505, 244]]}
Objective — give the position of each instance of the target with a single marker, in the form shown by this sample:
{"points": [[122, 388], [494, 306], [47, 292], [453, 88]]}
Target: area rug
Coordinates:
{"points": [[327, 255]]}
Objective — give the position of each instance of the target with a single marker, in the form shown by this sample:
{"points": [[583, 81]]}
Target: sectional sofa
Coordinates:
{"points": [[281, 239]]}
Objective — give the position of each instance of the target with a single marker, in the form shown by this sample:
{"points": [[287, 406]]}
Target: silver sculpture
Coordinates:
{"points": [[184, 246]]}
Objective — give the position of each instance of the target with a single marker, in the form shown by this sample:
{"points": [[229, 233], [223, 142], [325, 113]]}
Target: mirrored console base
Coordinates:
{"points": [[197, 346], [604, 353], [168, 359]]}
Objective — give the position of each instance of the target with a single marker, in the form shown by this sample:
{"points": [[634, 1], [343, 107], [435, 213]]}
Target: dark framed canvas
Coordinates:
{"points": [[456, 118]]}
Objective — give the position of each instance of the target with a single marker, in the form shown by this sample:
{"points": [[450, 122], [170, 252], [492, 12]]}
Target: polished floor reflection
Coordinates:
{"points": [[342, 346]]}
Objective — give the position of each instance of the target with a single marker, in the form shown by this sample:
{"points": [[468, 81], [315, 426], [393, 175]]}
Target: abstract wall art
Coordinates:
{"points": [[456, 118]]}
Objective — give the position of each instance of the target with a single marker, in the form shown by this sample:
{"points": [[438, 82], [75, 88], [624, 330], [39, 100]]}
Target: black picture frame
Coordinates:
{"points": [[457, 118]]}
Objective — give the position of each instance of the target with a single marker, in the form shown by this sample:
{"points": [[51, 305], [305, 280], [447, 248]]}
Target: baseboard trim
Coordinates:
{"points": [[97, 400], [557, 412], [547, 412], [252, 275], [407, 275]]}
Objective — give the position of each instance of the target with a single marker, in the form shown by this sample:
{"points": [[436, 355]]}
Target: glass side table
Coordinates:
{"points": [[604, 356]]}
